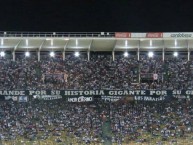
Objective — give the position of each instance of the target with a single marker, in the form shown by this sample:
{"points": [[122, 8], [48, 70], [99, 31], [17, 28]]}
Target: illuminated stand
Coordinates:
{"points": [[97, 41]]}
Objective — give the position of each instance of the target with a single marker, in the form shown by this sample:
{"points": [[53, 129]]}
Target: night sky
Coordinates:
{"points": [[97, 15]]}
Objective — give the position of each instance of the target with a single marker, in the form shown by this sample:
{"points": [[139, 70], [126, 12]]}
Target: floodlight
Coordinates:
{"points": [[175, 54], [27, 54], [126, 54], [150, 54], [76, 54], [52, 54], [2, 53]]}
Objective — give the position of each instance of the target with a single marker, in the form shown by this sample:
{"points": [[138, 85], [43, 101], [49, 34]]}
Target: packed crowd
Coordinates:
{"points": [[163, 120], [38, 120], [101, 72], [129, 121]]}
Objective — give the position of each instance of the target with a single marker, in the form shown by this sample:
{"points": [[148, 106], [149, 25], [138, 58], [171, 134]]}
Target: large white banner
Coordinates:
{"points": [[147, 35], [80, 99], [14, 98], [111, 98], [23, 98], [47, 97], [149, 98], [178, 35], [157, 35]]}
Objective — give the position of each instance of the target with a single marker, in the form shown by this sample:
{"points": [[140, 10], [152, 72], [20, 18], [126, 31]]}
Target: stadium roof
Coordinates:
{"points": [[96, 41]]}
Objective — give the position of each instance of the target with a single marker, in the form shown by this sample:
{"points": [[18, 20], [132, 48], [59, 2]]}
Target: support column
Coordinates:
{"points": [[139, 65], [163, 54], [113, 54], [138, 53], [139, 73], [188, 55], [63, 55], [188, 50], [88, 54], [13, 53], [38, 55]]}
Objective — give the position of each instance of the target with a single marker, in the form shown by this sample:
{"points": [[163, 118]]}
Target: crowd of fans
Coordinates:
{"points": [[40, 120], [168, 120], [101, 72], [129, 121]]}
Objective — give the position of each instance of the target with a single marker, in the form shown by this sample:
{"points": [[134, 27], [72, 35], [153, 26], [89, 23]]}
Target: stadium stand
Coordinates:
{"points": [[98, 73], [97, 119], [61, 121]]}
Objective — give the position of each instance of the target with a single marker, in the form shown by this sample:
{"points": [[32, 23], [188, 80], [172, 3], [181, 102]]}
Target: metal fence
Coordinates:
{"points": [[57, 34]]}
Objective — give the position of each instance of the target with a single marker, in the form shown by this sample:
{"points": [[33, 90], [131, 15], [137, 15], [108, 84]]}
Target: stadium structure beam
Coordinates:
{"points": [[38, 53], [13, 53], [163, 51], [88, 54], [16, 46], [113, 52], [188, 47], [41, 45], [115, 44], [91, 42], [63, 53], [88, 51], [138, 50], [139, 69]]}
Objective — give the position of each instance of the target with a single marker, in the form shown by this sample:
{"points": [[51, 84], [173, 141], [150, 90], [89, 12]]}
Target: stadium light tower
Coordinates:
{"points": [[76, 54], [27, 54], [150, 54], [126, 54], [52, 54], [2, 53], [175, 54]]}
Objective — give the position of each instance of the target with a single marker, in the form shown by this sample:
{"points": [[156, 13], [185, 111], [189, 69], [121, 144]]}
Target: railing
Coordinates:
{"points": [[57, 34], [149, 76]]}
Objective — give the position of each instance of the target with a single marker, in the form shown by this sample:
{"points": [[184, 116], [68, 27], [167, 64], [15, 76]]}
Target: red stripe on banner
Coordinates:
{"points": [[154, 35], [122, 35]]}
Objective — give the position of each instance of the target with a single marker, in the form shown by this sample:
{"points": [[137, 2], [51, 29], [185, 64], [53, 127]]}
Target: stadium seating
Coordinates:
{"points": [[124, 121], [98, 73], [131, 122]]}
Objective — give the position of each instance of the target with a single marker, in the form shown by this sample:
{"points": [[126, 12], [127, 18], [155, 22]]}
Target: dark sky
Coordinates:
{"points": [[96, 15]]}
